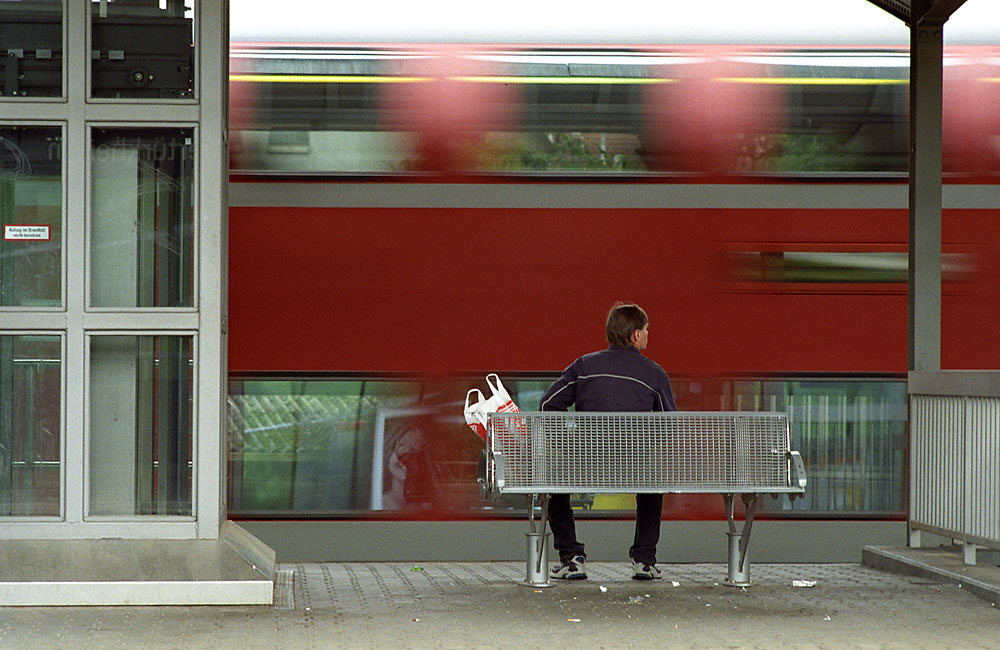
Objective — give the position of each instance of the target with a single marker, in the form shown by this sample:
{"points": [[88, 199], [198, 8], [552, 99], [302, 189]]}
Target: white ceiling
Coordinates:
{"points": [[594, 22]]}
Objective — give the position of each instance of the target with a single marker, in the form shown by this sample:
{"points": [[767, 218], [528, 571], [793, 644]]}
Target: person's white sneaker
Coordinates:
{"points": [[643, 571], [574, 569]]}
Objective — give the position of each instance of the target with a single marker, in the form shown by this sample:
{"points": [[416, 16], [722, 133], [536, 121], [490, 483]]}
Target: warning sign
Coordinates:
{"points": [[18, 232]]}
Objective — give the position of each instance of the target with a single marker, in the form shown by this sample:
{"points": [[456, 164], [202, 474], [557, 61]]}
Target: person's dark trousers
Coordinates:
{"points": [[648, 508], [564, 527]]}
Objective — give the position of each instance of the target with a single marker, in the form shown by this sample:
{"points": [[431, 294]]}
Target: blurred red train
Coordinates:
{"points": [[428, 209], [428, 212]]}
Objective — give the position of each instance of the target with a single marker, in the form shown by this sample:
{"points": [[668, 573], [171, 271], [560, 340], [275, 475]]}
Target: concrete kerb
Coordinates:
{"points": [[944, 564]]}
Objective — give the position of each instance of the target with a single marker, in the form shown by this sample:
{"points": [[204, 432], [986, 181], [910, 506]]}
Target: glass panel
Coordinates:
{"points": [[310, 446], [31, 44], [142, 214], [31, 214], [141, 425], [142, 48], [30, 425]]}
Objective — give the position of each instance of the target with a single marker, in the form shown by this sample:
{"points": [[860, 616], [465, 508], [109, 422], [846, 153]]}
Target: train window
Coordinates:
{"points": [[142, 49], [31, 214], [343, 446], [288, 142], [852, 436], [31, 40], [662, 109], [561, 151], [401, 448], [837, 267], [30, 425], [142, 218], [141, 425]]}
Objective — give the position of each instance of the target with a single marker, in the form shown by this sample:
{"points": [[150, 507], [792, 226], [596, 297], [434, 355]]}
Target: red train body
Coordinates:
{"points": [[439, 289]]}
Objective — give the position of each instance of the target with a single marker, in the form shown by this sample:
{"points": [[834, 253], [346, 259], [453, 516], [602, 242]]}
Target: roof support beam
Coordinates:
{"points": [[898, 8], [935, 12], [927, 12]]}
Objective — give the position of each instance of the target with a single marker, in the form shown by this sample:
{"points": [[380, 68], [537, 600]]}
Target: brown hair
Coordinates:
{"points": [[623, 319]]}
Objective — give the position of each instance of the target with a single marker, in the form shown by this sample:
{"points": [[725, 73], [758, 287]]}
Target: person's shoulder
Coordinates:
{"points": [[652, 365], [590, 362], [592, 356], [580, 363]]}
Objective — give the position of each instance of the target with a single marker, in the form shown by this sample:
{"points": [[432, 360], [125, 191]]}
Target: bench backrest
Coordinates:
{"points": [[738, 452]]}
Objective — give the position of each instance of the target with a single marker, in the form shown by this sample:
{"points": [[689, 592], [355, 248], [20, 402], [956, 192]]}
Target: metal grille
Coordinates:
{"points": [[937, 483], [984, 470], [955, 480], [641, 452]]}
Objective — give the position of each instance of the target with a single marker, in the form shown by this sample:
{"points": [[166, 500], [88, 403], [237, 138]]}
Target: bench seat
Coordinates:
{"points": [[720, 452]]}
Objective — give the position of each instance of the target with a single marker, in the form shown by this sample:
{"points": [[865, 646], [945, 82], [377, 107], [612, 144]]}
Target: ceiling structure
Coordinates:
{"points": [[927, 12]]}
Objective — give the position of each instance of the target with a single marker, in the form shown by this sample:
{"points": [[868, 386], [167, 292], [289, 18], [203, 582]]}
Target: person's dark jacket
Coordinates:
{"points": [[616, 379]]}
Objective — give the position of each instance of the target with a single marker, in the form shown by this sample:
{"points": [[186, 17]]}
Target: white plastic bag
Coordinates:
{"points": [[500, 402], [477, 411]]}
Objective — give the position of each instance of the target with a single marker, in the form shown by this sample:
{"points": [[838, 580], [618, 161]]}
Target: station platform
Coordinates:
{"points": [[481, 605], [235, 569]]}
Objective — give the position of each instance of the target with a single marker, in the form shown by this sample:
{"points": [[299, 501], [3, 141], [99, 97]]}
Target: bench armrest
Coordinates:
{"points": [[498, 471], [490, 488], [484, 489], [797, 477]]}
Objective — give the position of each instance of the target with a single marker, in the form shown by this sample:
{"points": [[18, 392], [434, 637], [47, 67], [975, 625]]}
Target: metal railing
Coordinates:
{"points": [[955, 458]]}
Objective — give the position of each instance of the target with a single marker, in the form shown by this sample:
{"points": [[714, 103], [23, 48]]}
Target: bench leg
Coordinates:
{"points": [[739, 541], [537, 562]]}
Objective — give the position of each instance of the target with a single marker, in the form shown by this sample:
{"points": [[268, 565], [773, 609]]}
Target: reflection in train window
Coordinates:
{"points": [[340, 446], [401, 448]]}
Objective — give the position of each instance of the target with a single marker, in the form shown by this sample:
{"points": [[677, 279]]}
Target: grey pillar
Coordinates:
{"points": [[926, 65]]}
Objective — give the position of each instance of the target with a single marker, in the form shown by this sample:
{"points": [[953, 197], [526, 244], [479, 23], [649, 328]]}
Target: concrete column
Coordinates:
{"points": [[926, 65]]}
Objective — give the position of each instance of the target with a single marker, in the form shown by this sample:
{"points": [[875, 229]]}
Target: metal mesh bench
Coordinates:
{"points": [[727, 453]]}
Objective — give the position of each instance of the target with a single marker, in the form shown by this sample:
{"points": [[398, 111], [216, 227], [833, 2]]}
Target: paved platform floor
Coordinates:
{"points": [[481, 605]]}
